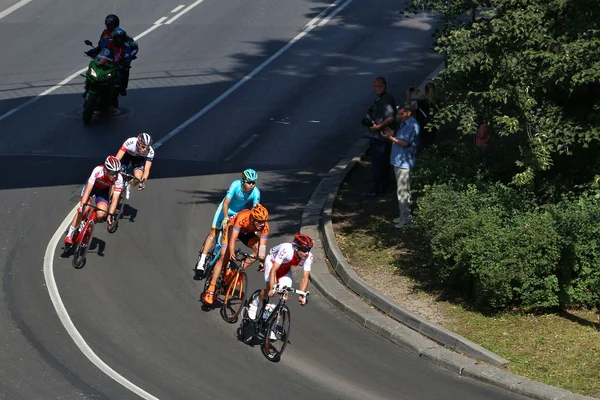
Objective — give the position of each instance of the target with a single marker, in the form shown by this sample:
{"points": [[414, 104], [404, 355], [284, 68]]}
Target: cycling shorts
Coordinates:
{"points": [[218, 218], [133, 162], [248, 238], [101, 195]]}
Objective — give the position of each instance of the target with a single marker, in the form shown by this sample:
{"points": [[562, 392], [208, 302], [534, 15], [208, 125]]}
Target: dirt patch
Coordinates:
{"points": [[391, 262]]}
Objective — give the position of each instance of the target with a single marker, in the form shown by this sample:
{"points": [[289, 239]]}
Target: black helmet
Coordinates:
{"points": [[111, 22], [119, 33]]}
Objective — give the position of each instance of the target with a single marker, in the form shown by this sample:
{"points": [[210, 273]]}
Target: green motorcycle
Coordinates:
{"points": [[100, 80]]}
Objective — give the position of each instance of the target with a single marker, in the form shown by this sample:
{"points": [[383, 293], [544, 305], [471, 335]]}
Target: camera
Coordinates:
{"points": [[412, 88], [367, 121]]}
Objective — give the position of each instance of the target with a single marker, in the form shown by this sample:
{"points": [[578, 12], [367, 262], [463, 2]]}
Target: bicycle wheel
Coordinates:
{"points": [[235, 294], [82, 247], [248, 328], [277, 334]]}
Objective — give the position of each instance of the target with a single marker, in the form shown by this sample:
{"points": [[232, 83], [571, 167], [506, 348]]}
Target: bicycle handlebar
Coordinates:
{"points": [[282, 289], [241, 256]]}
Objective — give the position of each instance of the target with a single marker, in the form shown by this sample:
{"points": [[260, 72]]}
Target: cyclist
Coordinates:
{"points": [[252, 229], [137, 153], [101, 180], [278, 268], [240, 193]]}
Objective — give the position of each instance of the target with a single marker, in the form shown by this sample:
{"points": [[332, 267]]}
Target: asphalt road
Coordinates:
{"points": [[134, 302]]}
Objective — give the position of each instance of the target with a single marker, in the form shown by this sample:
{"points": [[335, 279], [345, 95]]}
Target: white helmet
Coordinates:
{"points": [[144, 139], [112, 163]]}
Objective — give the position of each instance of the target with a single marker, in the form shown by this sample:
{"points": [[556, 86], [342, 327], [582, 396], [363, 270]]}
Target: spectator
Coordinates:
{"points": [[423, 113], [403, 157], [382, 114]]}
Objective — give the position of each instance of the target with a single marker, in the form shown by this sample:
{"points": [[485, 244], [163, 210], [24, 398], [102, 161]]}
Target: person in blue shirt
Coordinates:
{"points": [[403, 158], [242, 193]]}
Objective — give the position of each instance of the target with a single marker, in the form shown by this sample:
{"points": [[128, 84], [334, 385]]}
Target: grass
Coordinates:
{"points": [[558, 349]]}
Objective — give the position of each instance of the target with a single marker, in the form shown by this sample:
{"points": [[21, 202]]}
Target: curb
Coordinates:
{"points": [[395, 323]]}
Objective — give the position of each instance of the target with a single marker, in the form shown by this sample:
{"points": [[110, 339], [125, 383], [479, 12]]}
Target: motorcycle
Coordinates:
{"points": [[100, 82]]}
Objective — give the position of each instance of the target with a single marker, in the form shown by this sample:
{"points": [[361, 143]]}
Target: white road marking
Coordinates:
{"points": [[66, 320], [309, 27], [242, 147], [160, 20], [77, 73], [188, 8], [14, 7], [177, 8]]}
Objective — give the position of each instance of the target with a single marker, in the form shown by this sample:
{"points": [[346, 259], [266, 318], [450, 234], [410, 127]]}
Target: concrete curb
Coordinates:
{"points": [[396, 323]]}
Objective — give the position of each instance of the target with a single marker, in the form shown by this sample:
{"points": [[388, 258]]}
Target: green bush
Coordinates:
{"points": [[488, 252], [578, 222]]}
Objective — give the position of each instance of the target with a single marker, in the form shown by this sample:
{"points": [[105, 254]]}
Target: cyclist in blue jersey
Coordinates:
{"points": [[242, 193]]}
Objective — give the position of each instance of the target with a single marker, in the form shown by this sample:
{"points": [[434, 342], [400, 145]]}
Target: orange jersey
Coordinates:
{"points": [[242, 222]]}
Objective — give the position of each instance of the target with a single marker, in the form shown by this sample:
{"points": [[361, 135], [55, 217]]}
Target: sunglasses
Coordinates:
{"points": [[260, 222], [250, 182], [112, 173], [303, 249]]}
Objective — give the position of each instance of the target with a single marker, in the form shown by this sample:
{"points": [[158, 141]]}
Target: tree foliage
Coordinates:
{"points": [[528, 68]]}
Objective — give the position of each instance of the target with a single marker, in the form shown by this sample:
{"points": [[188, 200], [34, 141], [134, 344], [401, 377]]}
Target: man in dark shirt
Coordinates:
{"points": [[383, 114]]}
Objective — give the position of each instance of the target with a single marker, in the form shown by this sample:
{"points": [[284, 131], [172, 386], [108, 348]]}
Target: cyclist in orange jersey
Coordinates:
{"points": [[252, 229]]}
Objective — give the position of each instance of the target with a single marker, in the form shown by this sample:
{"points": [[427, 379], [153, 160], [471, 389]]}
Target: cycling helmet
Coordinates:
{"points": [[119, 32], [144, 139], [111, 22], [260, 213], [112, 164], [303, 242], [249, 175]]}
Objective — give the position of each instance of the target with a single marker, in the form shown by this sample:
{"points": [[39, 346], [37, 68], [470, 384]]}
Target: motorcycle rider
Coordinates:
{"points": [[110, 22], [124, 50]]}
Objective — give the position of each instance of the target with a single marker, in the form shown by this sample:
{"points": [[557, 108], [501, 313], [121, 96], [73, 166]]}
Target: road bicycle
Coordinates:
{"points": [[84, 235], [123, 197], [272, 323], [234, 287], [230, 288]]}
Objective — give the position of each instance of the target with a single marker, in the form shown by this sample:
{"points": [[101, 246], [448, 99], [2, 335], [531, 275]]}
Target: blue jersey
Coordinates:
{"points": [[239, 199]]}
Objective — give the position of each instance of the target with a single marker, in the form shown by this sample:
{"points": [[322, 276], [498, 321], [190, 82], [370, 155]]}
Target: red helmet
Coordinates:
{"points": [[303, 242]]}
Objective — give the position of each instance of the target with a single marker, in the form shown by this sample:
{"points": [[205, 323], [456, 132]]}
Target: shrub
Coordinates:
{"points": [[577, 220], [488, 252]]}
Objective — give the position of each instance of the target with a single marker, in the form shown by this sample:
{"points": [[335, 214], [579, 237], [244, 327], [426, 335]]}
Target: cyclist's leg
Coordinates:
{"points": [[250, 240], [76, 219], [211, 237], [208, 297], [102, 197]]}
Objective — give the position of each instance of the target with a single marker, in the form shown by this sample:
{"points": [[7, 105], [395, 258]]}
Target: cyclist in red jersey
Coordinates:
{"points": [[101, 180]]}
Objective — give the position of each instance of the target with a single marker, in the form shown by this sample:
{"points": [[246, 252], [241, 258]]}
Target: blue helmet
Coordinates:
{"points": [[249, 175], [119, 33]]}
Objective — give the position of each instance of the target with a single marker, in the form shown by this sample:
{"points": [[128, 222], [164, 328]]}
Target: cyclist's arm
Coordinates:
{"points": [[305, 280], [225, 208], [147, 167], [120, 154], [114, 202], [86, 195], [232, 239], [273, 277], [262, 248]]}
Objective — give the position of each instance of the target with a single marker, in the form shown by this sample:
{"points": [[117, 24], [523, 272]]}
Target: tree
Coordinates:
{"points": [[530, 69]]}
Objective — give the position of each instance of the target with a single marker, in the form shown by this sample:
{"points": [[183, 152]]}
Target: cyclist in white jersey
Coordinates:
{"points": [[137, 153], [278, 268]]}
